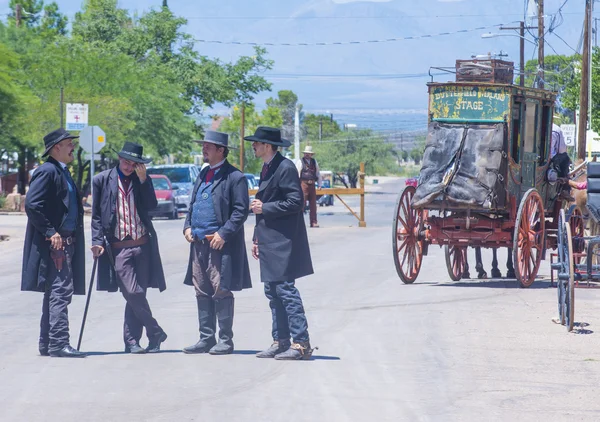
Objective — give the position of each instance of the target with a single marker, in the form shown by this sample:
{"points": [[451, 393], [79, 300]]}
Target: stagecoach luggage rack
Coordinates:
{"points": [[485, 70]]}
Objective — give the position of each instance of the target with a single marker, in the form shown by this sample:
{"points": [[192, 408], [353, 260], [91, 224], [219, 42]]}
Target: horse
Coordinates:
{"points": [[482, 274]]}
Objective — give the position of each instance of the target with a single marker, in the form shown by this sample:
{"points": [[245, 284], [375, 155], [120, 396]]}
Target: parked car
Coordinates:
{"points": [[412, 181], [165, 195], [183, 176], [252, 181]]}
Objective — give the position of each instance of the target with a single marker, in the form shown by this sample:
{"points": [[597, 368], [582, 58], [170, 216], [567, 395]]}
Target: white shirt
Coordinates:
{"points": [[299, 168], [558, 141]]}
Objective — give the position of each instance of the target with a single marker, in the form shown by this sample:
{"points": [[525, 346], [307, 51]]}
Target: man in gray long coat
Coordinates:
{"points": [[281, 245], [214, 226]]}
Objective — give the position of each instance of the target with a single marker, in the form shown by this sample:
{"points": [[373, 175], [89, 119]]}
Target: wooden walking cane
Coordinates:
{"points": [[87, 302]]}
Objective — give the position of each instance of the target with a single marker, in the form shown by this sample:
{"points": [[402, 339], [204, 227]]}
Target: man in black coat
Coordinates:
{"points": [[54, 251], [214, 226], [122, 197], [281, 245]]}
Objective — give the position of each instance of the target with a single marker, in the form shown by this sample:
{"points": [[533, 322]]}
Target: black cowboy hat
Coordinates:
{"points": [[268, 135], [134, 152], [218, 138], [54, 138]]}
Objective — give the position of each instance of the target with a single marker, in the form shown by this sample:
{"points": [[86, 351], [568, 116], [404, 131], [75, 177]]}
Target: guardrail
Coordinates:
{"points": [[345, 191]]}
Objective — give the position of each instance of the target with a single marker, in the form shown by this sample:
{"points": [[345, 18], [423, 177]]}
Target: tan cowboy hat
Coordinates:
{"points": [[308, 150]]}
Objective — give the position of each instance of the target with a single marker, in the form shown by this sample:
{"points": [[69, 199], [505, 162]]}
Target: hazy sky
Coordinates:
{"points": [[378, 77]]}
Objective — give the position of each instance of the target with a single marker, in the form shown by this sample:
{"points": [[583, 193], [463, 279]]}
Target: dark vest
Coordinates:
{"points": [[309, 171], [70, 223], [204, 219]]}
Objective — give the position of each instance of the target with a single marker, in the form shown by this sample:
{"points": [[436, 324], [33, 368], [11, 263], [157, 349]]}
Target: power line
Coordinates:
{"points": [[567, 44], [349, 42], [353, 17]]}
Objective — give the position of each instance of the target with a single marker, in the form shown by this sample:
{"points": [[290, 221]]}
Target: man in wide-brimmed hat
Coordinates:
{"points": [[54, 251], [122, 197], [214, 227], [280, 244], [310, 179]]}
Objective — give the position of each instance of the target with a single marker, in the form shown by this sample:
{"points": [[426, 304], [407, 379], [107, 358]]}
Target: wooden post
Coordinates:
{"points": [[361, 178], [242, 131]]}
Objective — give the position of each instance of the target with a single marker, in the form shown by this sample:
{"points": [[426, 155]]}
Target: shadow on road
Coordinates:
{"points": [[126, 353], [494, 283], [579, 328], [325, 357]]}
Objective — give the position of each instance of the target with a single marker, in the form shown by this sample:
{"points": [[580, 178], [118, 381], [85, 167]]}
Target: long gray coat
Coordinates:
{"points": [[231, 202], [280, 230]]}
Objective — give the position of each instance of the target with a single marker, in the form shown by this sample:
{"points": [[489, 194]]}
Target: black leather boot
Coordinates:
{"points": [[207, 322], [224, 310]]}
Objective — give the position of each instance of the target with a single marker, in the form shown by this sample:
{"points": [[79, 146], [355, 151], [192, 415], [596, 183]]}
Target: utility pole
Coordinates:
{"points": [[62, 108], [242, 132], [584, 94], [320, 129], [18, 14], [297, 133], [541, 44]]}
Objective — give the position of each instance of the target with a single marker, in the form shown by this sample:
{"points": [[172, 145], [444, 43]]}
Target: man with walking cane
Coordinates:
{"points": [[214, 226], [121, 227], [54, 250]]}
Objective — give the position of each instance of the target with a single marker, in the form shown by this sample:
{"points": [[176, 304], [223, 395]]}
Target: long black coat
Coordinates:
{"points": [[280, 230], [104, 222], [46, 205], [231, 202]]}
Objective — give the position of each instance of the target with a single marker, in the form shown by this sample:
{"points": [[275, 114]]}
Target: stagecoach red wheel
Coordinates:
{"points": [[528, 238], [407, 249], [456, 261]]}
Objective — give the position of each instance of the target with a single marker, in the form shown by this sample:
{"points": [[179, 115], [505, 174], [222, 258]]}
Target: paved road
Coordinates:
{"points": [[432, 351]]}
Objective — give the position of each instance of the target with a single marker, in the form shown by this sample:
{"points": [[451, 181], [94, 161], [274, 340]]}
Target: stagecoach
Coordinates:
{"points": [[484, 176]]}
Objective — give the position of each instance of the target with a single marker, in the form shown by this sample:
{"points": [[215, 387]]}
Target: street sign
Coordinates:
{"points": [[77, 116], [92, 139], [88, 156], [570, 134], [592, 142]]}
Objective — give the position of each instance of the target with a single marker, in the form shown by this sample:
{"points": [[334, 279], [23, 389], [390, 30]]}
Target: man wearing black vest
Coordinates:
{"points": [[310, 179], [281, 245], [214, 227], [54, 251], [122, 197]]}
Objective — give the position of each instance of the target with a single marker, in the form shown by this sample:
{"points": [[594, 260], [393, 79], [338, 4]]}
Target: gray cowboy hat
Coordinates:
{"points": [[268, 135], [134, 152], [54, 138], [217, 138]]}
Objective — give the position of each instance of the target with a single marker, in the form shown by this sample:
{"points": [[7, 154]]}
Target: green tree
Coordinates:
{"points": [[270, 116], [343, 155], [318, 126]]}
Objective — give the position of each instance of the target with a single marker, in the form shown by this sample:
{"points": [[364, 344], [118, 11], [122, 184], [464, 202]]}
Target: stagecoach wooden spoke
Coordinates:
{"points": [[406, 246], [528, 238]]}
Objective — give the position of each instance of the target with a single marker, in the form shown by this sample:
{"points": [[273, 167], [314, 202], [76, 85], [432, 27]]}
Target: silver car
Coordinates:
{"points": [[181, 175]]}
